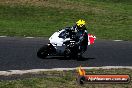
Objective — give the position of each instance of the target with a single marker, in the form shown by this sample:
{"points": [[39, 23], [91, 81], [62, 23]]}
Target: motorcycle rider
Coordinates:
{"points": [[79, 33]]}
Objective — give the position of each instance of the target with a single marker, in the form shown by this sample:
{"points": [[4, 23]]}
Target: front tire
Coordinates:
{"points": [[43, 52]]}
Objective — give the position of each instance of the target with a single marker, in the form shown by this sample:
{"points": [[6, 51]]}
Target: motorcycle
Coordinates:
{"points": [[61, 44]]}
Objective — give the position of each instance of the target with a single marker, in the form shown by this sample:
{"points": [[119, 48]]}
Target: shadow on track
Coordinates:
{"points": [[62, 58]]}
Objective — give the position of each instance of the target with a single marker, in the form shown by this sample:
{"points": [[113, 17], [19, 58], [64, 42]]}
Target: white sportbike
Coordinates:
{"points": [[62, 45]]}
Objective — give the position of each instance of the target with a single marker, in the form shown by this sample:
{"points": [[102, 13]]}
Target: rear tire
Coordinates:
{"points": [[42, 52], [70, 54], [79, 57], [67, 53]]}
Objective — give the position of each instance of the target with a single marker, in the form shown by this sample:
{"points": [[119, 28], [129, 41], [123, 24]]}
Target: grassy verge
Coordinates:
{"points": [[65, 79], [107, 19]]}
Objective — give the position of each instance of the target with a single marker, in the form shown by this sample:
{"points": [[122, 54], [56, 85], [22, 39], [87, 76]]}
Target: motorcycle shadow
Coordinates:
{"points": [[63, 58]]}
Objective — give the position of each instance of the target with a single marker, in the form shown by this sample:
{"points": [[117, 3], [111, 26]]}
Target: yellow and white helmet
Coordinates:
{"points": [[80, 23]]}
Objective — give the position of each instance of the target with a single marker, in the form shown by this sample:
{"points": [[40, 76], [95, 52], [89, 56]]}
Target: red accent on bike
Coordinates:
{"points": [[91, 38]]}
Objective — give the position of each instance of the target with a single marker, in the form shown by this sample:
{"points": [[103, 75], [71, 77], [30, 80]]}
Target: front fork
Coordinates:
{"points": [[51, 48]]}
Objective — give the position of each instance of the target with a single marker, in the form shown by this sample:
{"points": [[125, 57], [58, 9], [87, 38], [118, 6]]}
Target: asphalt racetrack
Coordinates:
{"points": [[20, 54]]}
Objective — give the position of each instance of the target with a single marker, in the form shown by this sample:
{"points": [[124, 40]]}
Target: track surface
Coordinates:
{"points": [[20, 54]]}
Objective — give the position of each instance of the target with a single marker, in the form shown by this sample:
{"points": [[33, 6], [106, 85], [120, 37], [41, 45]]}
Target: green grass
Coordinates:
{"points": [[67, 79], [106, 19]]}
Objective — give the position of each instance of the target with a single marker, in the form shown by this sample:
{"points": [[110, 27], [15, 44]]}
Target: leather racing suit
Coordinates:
{"points": [[79, 35]]}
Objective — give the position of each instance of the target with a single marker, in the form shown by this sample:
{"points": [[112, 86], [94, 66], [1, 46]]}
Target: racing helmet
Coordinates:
{"points": [[80, 24]]}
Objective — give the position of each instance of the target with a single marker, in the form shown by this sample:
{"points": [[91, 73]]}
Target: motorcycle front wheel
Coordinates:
{"points": [[43, 52]]}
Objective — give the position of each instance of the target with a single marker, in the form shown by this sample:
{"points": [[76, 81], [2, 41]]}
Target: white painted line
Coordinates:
{"points": [[20, 72], [109, 67], [29, 37], [3, 36], [117, 40], [42, 37]]}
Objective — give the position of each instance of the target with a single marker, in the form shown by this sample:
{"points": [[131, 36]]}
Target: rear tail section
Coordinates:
{"points": [[91, 39]]}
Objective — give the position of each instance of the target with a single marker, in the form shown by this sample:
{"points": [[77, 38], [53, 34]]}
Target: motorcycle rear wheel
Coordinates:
{"points": [[69, 54]]}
